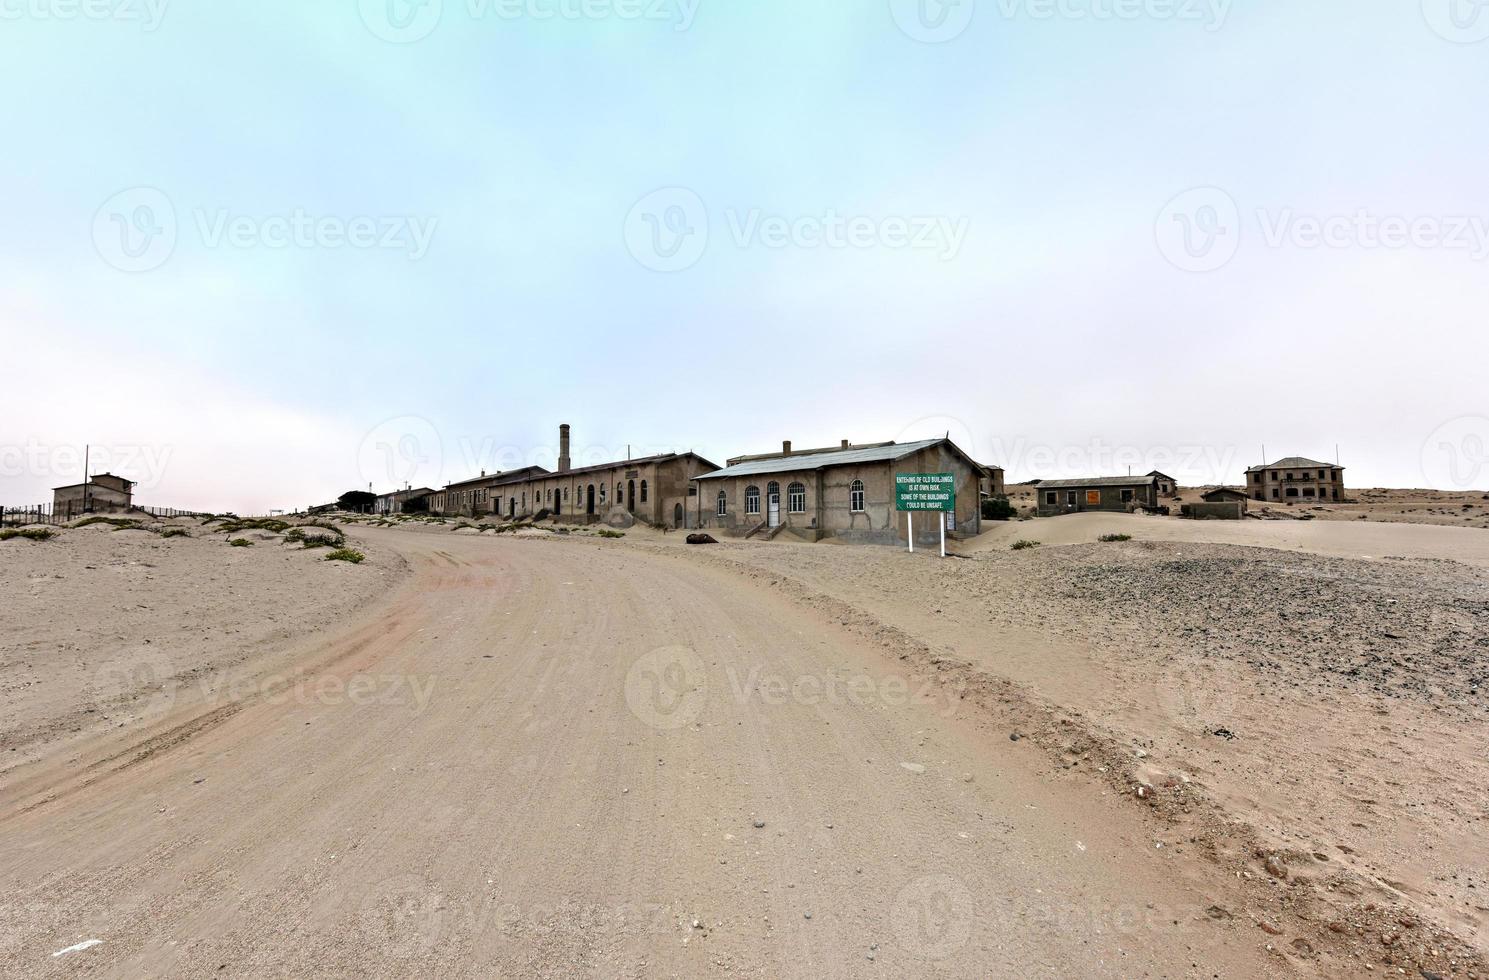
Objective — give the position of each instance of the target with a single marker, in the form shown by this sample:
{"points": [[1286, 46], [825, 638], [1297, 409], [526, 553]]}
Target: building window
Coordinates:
{"points": [[752, 500], [1126, 496], [643, 491], [796, 498], [723, 504], [1093, 498], [855, 497], [602, 493], [566, 493], [1070, 498], [1051, 498]]}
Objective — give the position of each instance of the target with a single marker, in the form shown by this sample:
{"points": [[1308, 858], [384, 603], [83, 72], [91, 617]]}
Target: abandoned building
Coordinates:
{"points": [[655, 489], [1222, 503], [404, 501], [847, 492], [104, 493], [1167, 485], [1111, 493], [992, 484], [1296, 478]]}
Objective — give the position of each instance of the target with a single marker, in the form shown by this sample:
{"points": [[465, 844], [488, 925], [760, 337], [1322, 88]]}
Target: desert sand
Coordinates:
{"points": [[1212, 750]]}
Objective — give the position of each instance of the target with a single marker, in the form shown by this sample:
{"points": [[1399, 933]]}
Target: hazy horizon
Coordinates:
{"points": [[259, 256]]}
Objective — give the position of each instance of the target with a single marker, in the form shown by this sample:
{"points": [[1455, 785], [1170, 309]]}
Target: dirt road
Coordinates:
{"points": [[571, 758]]}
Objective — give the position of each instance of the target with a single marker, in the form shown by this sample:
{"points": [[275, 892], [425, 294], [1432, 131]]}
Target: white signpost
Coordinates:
{"points": [[925, 491]]}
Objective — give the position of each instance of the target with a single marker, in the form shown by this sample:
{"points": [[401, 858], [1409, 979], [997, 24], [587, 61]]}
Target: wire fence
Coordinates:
{"points": [[49, 514]]}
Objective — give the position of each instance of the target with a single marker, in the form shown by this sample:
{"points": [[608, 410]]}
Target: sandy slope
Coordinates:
{"points": [[1346, 539], [558, 770]]}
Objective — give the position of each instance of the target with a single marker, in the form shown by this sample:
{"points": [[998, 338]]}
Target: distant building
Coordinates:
{"points": [[1224, 495], [104, 493], [656, 489], [401, 501], [992, 484], [1296, 478], [846, 493], [1167, 485], [1222, 504], [1108, 493]]}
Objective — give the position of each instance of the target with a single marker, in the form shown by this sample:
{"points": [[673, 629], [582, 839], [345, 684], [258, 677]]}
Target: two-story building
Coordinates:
{"points": [[1294, 479]]}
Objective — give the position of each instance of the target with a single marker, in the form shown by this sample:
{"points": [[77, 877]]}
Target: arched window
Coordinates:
{"points": [[796, 498], [752, 500], [723, 507], [643, 491], [566, 493], [773, 489], [855, 497], [602, 492]]}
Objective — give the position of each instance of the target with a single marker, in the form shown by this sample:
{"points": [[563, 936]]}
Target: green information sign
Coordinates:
{"points": [[925, 491]]}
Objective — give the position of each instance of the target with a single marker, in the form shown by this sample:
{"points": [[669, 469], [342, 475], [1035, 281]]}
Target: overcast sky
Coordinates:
{"points": [[258, 254]]}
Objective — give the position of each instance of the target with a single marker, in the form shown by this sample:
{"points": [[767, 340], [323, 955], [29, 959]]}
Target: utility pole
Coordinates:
{"points": [[87, 449]]}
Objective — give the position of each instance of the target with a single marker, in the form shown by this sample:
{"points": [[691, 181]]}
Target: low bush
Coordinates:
{"points": [[116, 522], [346, 554], [241, 543], [29, 533], [1115, 537], [998, 509], [1022, 545], [605, 532], [174, 532]]}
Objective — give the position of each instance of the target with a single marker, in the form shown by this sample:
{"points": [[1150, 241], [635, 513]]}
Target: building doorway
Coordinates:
{"points": [[589, 500], [631, 496], [677, 516], [773, 505]]}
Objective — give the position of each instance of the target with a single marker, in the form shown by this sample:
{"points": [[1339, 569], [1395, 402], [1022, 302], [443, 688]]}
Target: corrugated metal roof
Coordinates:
{"points": [[818, 461], [1098, 481]]}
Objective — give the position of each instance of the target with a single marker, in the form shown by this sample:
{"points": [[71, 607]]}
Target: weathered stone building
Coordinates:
{"points": [[1112, 493], [846, 493], [1296, 478], [655, 489], [104, 493]]}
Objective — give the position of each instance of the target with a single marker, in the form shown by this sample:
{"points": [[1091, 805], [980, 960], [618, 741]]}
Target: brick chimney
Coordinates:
{"points": [[563, 448], [785, 447], [845, 443]]}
